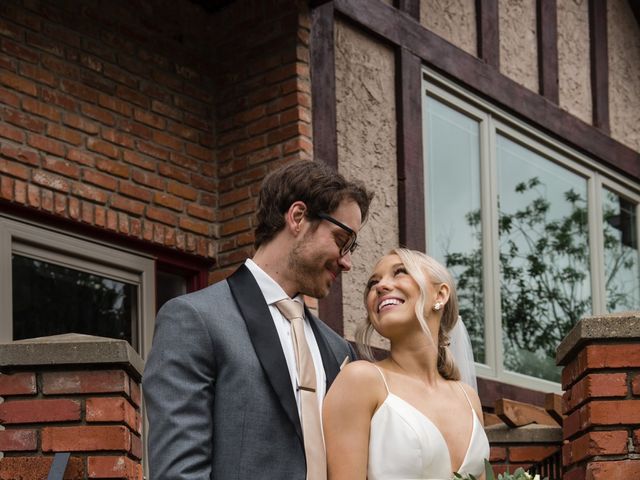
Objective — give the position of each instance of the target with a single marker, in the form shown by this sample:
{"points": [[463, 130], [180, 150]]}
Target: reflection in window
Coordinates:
{"points": [[49, 299], [168, 286], [621, 261], [544, 257], [453, 206]]}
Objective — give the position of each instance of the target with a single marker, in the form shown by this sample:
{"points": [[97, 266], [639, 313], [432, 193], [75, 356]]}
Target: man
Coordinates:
{"points": [[223, 383]]}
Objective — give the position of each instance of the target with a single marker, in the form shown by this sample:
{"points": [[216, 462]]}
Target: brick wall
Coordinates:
{"points": [[91, 411], [156, 120], [601, 379]]}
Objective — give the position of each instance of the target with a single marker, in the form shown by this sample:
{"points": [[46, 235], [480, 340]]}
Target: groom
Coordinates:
{"points": [[223, 383]]}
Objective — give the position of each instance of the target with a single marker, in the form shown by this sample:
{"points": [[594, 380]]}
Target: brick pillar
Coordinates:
{"points": [[601, 380], [70, 393]]}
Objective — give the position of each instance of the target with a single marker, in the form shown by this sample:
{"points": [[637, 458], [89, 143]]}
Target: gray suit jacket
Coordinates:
{"points": [[218, 394]]}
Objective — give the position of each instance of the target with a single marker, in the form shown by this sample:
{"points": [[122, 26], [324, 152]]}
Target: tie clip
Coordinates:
{"points": [[306, 389]]}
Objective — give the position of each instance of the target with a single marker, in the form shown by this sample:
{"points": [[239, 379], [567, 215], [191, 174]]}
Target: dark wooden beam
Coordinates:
{"points": [[488, 32], [410, 161], [599, 63], [411, 7], [394, 26], [548, 49], [635, 8], [325, 137]]}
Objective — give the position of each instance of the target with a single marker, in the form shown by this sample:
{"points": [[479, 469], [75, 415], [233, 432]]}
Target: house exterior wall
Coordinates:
{"points": [[518, 42], [454, 21], [624, 73], [366, 128]]}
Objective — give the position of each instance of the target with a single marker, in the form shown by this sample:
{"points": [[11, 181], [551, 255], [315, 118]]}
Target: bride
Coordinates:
{"points": [[407, 416]]}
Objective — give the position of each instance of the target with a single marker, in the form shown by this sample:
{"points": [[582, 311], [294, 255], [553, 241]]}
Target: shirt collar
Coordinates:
{"points": [[271, 290]]}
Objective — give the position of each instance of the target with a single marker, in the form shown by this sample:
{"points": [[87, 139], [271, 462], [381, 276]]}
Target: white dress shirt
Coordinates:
{"points": [[273, 293]]}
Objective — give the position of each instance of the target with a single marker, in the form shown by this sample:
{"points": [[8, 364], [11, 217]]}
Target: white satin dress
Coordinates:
{"points": [[404, 444]]}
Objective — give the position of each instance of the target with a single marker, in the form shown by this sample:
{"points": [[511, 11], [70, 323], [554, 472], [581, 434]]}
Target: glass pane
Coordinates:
{"points": [[49, 299], [453, 206], [621, 261], [544, 257], [168, 286]]}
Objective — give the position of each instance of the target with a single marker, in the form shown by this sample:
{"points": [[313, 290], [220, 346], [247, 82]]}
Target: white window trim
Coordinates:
{"points": [[492, 121], [73, 251]]}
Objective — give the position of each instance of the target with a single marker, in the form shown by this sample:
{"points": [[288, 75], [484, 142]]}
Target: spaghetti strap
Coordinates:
{"points": [[383, 378], [465, 394]]}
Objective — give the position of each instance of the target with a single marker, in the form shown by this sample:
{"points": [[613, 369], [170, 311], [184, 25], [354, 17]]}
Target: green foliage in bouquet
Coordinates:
{"points": [[519, 474]]}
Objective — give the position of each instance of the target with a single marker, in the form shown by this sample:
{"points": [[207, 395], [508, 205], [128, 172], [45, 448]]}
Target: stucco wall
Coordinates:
{"points": [[574, 76], [453, 20], [624, 73], [518, 42], [366, 124]]}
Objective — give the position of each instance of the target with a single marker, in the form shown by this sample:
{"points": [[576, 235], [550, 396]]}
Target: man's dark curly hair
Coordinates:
{"points": [[320, 187]]}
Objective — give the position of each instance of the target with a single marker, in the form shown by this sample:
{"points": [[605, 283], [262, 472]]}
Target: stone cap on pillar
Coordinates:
{"points": [[71, 349], [622, 326]]}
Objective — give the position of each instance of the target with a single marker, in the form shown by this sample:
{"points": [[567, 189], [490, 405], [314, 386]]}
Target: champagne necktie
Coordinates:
{"points": [[310, 411]]}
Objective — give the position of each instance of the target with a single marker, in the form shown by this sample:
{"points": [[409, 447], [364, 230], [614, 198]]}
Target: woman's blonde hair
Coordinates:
{"points": [[424, 270]]}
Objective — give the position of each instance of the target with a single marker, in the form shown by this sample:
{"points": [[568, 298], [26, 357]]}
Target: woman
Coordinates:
{"points": [[407, 416]]}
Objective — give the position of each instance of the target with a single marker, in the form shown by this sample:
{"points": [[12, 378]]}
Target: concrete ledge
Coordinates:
{"points": [[611, 326], [71, 349], [533, 433]]}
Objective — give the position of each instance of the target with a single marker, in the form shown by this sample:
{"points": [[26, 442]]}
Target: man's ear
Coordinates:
{"points": [[294, 217]]}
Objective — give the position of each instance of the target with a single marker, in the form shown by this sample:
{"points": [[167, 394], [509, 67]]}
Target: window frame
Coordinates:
{"points": [[494, 121], [74, 251]]}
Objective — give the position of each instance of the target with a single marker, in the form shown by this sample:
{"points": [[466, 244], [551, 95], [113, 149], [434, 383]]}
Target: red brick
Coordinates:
{"points": [[112, 103], [118, 138], [613, 412], [203, 213], [636, 439], [184, 161], [35, 411], [148, 179], [136, 129], [168, 201], [597, 357], [86, 438], [127, 205], [635, 384], [120, 467], [18, 83], [579, 473], [201, 153], [18, 440], [46, 144], [135, 396], [100, 216], [162, 216], [166, 110], [99, 179], [9, 98], [149, 119], [530, 453], [168, 141], [235, 226], [64, 134], [6, 189], [47, 200], [173, 172], [33, 196], [136, 446], [41, 109], [100, 381], [20, 191], [153, 150], [50, 181], [79, 90], [139, 161], [204, 183], [194, 226], [14, 169], [498, 454], [23, 120], [183, 131], [134, 191], [90, 193], [593, 386], [11, 133], [80, 156], [12, 468], [20, 154], [80, 123], [113, 167], [74, 208], [58, 98], [99, 114], [86, 212], [111, 409], [59, 203], [183, 191], [61, 166], [102, 148], [234, 196], [595, 443], [620, 469]]}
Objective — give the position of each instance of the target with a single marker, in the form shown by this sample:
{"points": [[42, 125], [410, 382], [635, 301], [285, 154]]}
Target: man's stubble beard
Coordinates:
{"points": [[306, 271]]}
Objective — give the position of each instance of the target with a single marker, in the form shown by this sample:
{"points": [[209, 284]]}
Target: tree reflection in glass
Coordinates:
{"points": [[50, 299]]}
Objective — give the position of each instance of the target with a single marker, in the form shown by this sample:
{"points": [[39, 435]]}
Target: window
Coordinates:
{"points": [[536, 235], [53, 283]]}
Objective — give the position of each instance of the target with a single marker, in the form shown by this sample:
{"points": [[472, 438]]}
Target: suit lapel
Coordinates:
{"points": [[329, 361], [265, 340]]}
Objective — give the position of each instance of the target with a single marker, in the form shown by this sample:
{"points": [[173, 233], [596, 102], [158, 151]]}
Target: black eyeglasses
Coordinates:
{"points": [[351, 244]]}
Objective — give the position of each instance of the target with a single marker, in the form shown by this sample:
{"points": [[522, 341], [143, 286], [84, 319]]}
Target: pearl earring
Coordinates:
{"points": [[437, 306]]}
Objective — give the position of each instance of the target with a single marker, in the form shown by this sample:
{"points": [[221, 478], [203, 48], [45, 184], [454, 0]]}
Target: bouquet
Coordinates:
{"points": [[519, 474]]}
